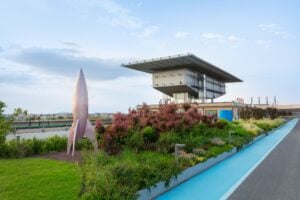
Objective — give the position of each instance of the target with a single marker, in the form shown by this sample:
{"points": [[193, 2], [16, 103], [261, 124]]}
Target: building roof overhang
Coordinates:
{"points": [[188, 61]]}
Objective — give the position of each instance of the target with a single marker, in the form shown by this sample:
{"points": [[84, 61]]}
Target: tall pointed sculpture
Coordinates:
{"points": [[81, 125]]}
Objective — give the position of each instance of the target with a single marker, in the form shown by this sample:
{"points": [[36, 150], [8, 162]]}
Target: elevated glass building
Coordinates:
{"points": [[185, 78]]}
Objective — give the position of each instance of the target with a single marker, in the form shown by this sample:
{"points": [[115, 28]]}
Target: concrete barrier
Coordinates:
{"points": [[162, 187]]}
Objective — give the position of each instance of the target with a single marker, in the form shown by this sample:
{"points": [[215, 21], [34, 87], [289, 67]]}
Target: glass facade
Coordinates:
{"points": [[193, 81]]}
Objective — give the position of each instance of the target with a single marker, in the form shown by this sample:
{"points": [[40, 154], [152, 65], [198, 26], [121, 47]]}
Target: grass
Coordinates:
{"points": [[121, 176], [36, 178]]}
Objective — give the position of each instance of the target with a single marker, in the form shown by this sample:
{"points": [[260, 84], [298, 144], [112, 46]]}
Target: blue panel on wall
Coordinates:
{"points": [[226, 114]]}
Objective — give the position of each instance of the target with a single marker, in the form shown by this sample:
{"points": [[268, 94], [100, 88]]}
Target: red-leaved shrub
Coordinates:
{"points": [[191, 117], [167, 118], [111, 142], [99, 128]]}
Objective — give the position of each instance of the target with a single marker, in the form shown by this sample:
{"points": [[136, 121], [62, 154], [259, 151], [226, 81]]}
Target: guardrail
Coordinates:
{"points": [[49, 123]]}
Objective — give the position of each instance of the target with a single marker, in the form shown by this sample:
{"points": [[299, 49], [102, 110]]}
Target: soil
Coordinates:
{"points": [[62, 156]]}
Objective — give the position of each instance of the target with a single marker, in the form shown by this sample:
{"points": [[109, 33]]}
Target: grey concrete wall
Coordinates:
{"points": [[160, 188]]}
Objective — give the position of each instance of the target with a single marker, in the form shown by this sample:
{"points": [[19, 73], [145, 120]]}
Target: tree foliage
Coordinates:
{"points": [[258, 113], [5, 123], [19, 111]]}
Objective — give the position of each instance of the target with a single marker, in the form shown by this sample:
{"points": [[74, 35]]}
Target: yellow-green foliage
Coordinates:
{"points": [[250, 127], [268, 124], [256, 127]]}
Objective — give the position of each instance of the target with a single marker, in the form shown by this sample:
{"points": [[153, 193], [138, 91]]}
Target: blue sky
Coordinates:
{"points": [[44, 43]]}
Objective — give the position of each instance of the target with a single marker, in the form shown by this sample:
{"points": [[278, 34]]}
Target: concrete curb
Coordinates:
{"points": [[162, 187]]}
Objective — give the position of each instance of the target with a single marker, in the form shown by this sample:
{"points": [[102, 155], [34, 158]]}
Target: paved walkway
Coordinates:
{"points": [[278, 176], [219, 181]]}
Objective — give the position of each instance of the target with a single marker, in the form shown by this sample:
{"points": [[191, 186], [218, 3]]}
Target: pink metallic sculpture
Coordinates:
{"points": [[81, 125]]}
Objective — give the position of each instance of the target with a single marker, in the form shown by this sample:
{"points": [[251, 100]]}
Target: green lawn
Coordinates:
{"points": [[36, 178]]}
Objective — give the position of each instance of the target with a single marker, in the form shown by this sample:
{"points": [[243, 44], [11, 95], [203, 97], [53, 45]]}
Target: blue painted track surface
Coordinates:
{"points": [[219, 181]]}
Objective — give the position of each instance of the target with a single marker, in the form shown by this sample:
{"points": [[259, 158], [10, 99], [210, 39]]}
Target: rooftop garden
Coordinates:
{"points": [[137, 149]]}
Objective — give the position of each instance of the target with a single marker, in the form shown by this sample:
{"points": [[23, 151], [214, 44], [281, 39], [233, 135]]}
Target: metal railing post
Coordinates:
{"points": [[177, 146]]}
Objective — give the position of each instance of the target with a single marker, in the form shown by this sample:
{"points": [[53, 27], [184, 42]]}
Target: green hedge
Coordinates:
{"points": [[121, 176], [31, 147]]}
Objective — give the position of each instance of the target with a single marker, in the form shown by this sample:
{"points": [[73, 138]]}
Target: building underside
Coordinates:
{"points": [[185, 78]]}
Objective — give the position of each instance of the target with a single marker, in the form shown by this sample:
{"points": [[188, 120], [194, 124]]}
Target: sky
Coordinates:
{"points": [[44, 43]]}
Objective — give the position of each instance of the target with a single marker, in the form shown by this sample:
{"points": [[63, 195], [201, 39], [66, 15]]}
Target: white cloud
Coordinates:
{"points": [[263, 43], [42, 92], [118, 15], [110, 12], [122, 17], [146, 32], [268, 27], [213, 36], [181, 35], [232, 40], [48, 89], [274, 29], [125, 21], [70, 44], [65, 61]]}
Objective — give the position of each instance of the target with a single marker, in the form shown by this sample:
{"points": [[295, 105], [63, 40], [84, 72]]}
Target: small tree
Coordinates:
{"points": [[19, 111], [272, 112], [5, 124], [258, 113], [99, 128]]}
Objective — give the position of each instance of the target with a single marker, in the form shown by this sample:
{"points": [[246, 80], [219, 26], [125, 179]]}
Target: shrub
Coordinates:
{"points": [[99, 129], [186, 106], [133, 118], [167, 118], [111, 143], [216, 150], [258, 113], [222, 123], [268, 124], [135, 140], [84, 144], [251, 127], [55, 143], [199, 129], [5, 124], [246, 113], [217, 141], [191, 117], [167, 141], [29, 147], [121, 176], [272, 112], [191, 142], [149, 134], [208, 120], [116, 134], [120, 125]]}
